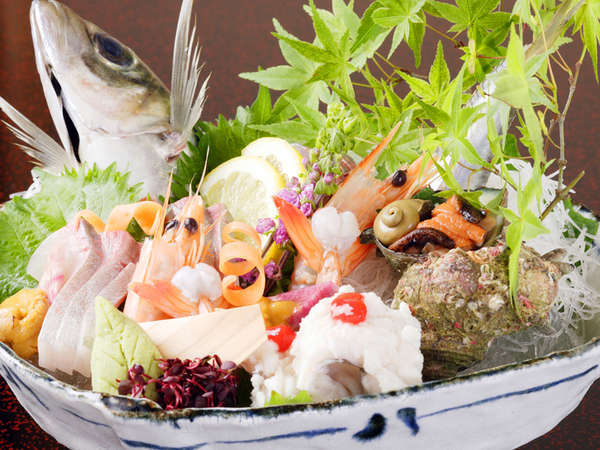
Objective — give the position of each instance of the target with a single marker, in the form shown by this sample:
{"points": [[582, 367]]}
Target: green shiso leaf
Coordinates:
{"points": [[119, 344], [25, 223], [222, 140], [278, 399]]}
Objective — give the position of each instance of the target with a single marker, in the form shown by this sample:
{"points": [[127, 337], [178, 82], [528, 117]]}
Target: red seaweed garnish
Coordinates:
{"points": [[200, 383]]}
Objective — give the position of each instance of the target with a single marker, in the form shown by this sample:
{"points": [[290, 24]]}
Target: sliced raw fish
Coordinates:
{"points": [[119, 249], [114, 292], [38, 263], [56, 259], [89, 242], [305, 299]]}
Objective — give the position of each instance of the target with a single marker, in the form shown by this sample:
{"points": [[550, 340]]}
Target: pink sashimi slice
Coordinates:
{"points": [[56, 259], [86, 239], [114, 292], [305, 298], [119, 249]]}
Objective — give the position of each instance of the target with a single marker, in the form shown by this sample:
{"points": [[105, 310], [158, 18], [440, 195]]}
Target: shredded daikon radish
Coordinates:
{"points": [[578, 297]]}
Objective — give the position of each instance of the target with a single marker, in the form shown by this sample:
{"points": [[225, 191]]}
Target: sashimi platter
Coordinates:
{"points": [[373, 252]]}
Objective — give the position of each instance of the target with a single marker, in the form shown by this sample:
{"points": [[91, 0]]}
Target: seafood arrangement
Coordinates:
{"points": [[357, 251]]}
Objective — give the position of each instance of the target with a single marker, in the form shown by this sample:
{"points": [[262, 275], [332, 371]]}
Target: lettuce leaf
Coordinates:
{"points": [[25, 223], [119, 344], [278, 399]]}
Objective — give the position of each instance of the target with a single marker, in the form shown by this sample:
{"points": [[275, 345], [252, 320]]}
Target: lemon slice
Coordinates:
{"points": [[246, 186], [279, 153]]}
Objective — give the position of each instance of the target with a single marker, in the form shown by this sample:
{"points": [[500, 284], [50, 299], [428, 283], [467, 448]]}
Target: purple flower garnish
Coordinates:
{"points": [[293, 183], [289, 196], [328, 178], [306, 209], [273, 271], [316, 167], [307, 193], [280, 236], [265, 225], [313, 177]]}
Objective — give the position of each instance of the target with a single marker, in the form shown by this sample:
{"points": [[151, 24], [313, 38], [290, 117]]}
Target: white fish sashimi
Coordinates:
{"points": [[38, 263], [114, 292], [48, 347], [57, 258], [67, 334], [119, 249]]}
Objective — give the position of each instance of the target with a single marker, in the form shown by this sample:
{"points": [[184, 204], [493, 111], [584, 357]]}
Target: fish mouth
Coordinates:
{"points": [[47, 17], [69, 124]]}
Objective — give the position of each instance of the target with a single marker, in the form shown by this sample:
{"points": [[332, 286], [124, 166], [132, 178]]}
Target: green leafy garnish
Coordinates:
{"points": [[120, 343], [25, 223], [222, 140], [278, 399], [135, 230], [344, 68]]}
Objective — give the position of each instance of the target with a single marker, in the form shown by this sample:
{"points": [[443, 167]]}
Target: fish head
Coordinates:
{"points": [[92, 82]]}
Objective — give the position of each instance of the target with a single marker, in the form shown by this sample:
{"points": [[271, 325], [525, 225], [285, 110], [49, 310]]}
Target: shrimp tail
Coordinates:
{"points": [[354, 256], [300, 232], [165, 296]]}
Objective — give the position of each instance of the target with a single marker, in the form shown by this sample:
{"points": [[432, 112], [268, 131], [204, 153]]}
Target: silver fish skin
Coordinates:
{"points": [[119, 108], [106, 104]]}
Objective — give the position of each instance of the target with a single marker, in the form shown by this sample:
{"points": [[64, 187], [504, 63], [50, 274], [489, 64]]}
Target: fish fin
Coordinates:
{"points": [[37, 144], [187, 100]]}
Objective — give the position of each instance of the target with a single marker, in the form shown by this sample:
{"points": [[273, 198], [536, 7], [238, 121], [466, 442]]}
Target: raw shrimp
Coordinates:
{"points": [[155, 292], [360, 194], [327, 243]]}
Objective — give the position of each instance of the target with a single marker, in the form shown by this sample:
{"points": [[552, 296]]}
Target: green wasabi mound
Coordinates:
{"points": [[119, 343]]}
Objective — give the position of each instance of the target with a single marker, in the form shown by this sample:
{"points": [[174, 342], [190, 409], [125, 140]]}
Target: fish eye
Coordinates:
{"points": [[112, 50]]}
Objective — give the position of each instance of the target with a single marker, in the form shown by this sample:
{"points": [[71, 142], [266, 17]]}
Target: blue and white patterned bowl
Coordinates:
{"points": [[498, 408]]}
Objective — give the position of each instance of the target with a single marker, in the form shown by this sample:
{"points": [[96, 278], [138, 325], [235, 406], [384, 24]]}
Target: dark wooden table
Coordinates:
{"points": [[236, 38]]}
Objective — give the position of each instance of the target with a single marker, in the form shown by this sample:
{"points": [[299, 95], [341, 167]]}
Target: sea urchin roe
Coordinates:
{"points": [[282, 336], [21, 318], [349, 307]]}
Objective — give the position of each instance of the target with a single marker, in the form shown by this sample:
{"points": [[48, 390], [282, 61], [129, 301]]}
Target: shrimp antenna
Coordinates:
{"points": [[204, 169]]}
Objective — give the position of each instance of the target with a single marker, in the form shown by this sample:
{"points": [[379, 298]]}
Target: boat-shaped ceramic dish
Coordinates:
{"points": [[497, 408]]}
